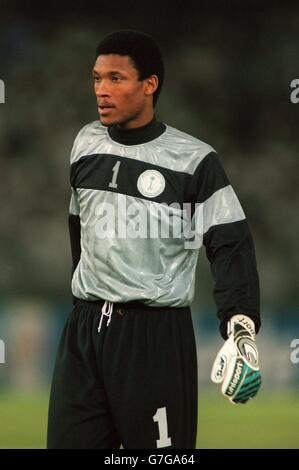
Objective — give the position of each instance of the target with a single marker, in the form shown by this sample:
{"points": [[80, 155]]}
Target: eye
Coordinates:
{"points": [[96, 79], [116, 78]]}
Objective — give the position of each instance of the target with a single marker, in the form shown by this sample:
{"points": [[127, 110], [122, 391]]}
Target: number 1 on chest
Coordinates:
{"points": [[115, 170]]}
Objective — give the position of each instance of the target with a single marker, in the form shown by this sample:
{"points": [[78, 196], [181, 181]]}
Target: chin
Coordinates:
{"points": [[106, 121]]}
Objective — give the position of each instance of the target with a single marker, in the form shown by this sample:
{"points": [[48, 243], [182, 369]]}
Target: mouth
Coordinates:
{"points": [[105, 109]]}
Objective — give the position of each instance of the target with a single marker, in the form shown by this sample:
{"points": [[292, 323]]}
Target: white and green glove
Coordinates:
{"points": [[236, 366]]}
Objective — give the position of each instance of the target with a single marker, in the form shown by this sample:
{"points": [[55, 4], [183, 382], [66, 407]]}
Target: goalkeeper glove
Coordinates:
{"points": [[236, 365]]}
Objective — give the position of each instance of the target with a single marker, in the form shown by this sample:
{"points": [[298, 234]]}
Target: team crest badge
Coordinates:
{"points": [[151, 183]]}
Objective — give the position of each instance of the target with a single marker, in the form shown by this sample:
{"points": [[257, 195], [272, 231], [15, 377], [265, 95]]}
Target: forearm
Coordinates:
{"points": [[230, 250]]}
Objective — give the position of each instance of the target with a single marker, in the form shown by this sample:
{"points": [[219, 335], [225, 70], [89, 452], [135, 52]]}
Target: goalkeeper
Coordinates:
{"points": [[126, 367]]}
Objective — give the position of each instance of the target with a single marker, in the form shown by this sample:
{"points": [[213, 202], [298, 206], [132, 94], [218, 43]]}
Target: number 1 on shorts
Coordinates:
{"points": [[161, 418]]}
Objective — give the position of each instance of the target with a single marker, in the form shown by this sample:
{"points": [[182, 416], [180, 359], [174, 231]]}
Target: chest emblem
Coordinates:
{"points": [[151, 183]]}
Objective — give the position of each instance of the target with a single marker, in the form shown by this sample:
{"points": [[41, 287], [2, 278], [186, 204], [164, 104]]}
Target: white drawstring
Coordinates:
{"points": [[106, 312]]}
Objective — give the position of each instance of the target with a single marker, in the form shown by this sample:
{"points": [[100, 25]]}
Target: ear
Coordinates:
{"points": [[151, 84]]}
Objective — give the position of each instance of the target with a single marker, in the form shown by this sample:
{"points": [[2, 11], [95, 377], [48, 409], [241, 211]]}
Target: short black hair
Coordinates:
{"points": [[141, 48]]}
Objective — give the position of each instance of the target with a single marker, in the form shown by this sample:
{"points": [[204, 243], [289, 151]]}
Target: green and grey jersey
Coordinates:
{"points": [[143, 203]]}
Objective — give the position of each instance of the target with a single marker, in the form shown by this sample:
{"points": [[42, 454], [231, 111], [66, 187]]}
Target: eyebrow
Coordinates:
{"points": [[111, 72]]}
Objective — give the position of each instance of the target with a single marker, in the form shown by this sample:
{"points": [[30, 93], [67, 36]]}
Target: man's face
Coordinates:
{"points": [[121, 98]]}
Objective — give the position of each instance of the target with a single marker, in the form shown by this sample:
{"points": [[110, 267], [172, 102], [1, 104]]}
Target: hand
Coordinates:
{"points": [[236, 365]]}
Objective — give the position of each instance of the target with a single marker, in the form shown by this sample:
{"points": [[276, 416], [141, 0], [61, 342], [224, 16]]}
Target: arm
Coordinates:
{"points": [[229, 244], [74, 212], [230, 251]]}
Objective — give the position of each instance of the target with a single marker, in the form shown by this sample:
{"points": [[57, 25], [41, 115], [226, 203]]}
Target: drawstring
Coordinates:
{"points": [[106, 312]]}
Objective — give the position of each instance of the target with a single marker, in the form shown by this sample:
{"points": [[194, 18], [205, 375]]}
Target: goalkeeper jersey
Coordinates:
{"points": [[143, 203]]}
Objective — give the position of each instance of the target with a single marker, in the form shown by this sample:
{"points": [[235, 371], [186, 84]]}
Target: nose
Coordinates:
{"points": [[101, 88]]}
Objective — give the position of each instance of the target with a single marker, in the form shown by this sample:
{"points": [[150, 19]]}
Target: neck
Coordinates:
{"points": [[139, 122]]}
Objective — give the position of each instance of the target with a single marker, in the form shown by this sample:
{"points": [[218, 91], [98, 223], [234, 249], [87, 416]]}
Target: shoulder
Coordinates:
{"points": [[86, 137], [190, 150], [90, 129]]}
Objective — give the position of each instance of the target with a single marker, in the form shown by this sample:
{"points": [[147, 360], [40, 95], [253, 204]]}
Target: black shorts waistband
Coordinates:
{"points": [[134, 304]]}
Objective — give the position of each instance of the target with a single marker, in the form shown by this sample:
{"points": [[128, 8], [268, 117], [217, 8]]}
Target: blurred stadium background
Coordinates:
{"points": [[229, 66]]}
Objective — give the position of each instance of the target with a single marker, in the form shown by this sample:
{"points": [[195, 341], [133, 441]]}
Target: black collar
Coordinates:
{"points": [[137, 135]]}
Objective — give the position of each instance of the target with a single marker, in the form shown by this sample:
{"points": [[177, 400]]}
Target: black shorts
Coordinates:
{"points": [[134, 383]]}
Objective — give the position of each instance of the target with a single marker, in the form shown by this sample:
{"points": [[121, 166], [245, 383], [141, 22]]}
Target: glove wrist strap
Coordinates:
{"points": [[243, 320]]}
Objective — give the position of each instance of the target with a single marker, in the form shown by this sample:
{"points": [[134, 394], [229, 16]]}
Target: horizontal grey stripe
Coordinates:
{"points": [[174, 149], [223, 207]]}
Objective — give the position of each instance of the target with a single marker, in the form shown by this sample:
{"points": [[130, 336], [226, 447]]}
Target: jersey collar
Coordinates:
{"points": [[138, 135]]}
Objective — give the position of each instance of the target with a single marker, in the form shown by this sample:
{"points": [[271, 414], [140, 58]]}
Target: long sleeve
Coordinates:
{"points": [[229, 245]]}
